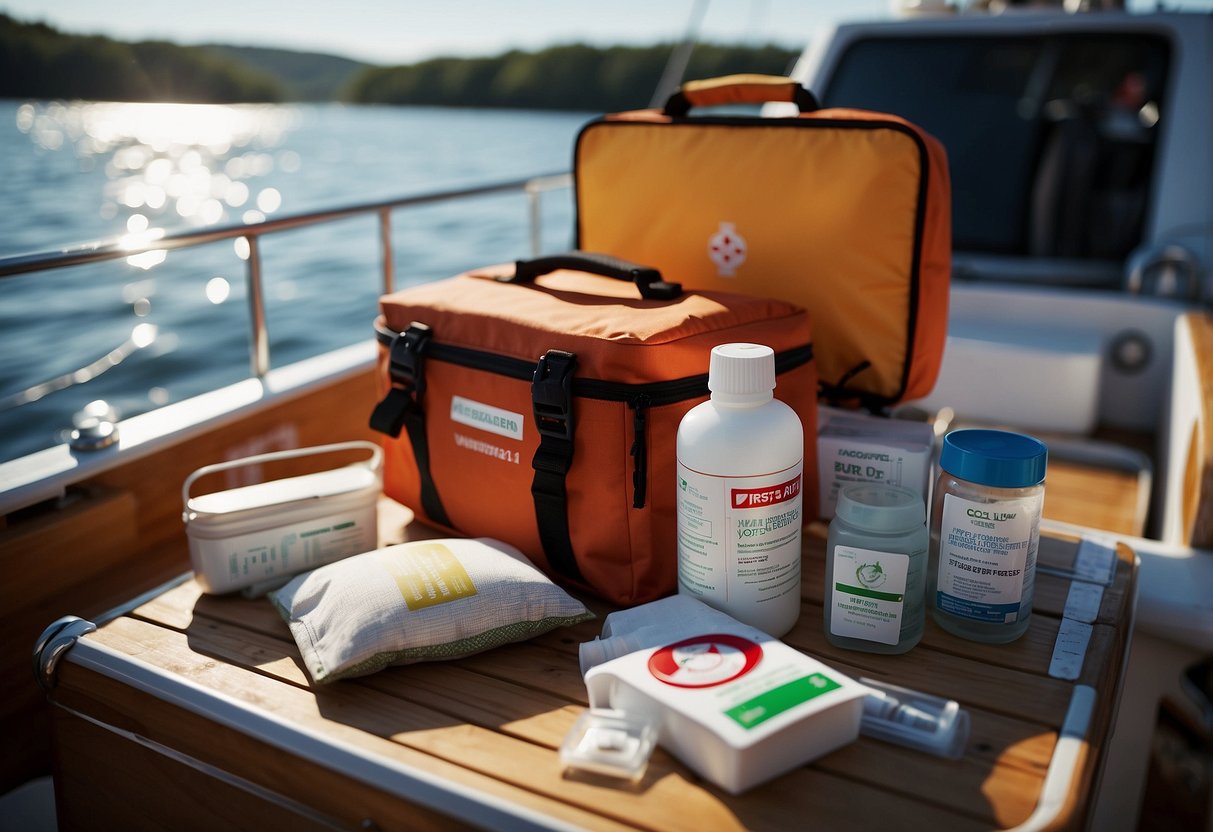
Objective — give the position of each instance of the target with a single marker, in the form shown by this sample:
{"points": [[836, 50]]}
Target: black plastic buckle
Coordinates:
{"points": [[407, 355], [405, 359], [552, 394]]}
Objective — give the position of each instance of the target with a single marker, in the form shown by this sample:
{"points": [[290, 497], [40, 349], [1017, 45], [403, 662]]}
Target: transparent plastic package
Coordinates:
{"points": [[609, 742], [915, 720]]}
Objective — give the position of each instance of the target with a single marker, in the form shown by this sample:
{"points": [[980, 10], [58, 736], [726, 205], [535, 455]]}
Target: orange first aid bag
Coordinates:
{"points": [[844, 212], [539, 403]]}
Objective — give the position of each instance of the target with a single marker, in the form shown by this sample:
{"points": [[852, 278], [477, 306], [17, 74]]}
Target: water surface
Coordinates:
{"points": [[156, 328]]}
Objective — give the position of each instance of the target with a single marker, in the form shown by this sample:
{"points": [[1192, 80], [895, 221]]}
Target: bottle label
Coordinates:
{"points": [[739, 537], [868, 599], [987, 558]]}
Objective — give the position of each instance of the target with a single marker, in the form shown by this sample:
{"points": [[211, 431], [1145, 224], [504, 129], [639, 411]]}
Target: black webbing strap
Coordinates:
{"points": [[837, 393], [552, 401], [402, 408]]}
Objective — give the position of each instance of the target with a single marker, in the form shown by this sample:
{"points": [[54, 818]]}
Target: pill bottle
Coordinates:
{"points": [[985, 530], [876, 568], [740, 468]]}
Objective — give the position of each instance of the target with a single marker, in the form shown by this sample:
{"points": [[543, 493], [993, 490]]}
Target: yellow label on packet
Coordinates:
{"points": [[428, 574]]}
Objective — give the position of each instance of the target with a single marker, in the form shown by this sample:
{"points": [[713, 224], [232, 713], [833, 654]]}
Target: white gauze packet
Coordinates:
{"points": [[419, 601]]}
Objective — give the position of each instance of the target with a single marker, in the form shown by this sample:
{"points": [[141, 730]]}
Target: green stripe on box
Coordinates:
{"points": [[869, 593], [783, 698]]}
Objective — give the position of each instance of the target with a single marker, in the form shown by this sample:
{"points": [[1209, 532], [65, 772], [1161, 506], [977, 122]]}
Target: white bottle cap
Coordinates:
{"points": [[742, 373]]}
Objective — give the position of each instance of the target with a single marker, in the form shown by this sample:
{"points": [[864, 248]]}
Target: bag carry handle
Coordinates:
{"points": [[739, 89], [373, 463], [647, 279]]}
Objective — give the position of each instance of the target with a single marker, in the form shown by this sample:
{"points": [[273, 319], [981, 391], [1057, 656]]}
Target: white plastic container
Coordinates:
{"points": [[267, 532], [740, 467], [738, 707]]}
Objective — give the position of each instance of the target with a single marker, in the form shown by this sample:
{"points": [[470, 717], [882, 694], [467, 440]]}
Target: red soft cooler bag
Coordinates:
{"points": [[538, 404]]}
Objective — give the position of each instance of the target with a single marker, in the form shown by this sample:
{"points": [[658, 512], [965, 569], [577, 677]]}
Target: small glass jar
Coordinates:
{"points": [[876, 555], [985, 530]]}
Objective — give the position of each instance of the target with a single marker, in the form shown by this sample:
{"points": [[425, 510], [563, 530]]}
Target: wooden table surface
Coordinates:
{"points": [[487, 729]]}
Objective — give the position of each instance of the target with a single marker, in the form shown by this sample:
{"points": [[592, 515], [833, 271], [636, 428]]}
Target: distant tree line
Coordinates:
{"points": [[574, 77], [37, 61]]}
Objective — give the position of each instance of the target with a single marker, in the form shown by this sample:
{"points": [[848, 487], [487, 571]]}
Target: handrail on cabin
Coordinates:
{"points": [[122, 247]]}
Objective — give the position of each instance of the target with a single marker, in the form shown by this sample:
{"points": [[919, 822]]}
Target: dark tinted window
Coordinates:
{"points": [[1050, 139]]}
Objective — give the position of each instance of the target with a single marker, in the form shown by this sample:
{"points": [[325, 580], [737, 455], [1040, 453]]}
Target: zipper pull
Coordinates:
{"points": [[640, 449]]}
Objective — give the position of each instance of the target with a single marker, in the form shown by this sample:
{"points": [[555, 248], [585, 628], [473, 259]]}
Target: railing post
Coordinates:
{"points": [[532, 198], [259, 343], [385, 249]]}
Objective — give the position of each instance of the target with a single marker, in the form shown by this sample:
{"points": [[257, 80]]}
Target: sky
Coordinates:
{"points": [[405, 31]]}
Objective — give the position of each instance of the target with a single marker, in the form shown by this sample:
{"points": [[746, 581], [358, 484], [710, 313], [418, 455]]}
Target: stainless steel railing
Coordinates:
{"points": [[259, 359]]}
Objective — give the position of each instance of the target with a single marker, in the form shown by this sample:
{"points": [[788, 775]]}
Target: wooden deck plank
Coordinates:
{"points": [[1031, 653], [667, 798], [494, 721], [241, 631], [359, 716], [536, 669], [1194, 522], [506, 699], [1095, 496], [1001, 795], [992, 673], [993, 687]]}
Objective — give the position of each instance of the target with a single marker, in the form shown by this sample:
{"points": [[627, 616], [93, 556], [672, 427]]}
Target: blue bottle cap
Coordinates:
{"points": [[997, 458]]}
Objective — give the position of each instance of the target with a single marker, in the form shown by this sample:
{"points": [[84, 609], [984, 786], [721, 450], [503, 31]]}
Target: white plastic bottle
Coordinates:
{"points": [[740, 472]]}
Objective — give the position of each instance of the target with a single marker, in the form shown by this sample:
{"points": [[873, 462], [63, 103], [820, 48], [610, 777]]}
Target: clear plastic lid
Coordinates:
{"points": [[880, 508], [609, 742]]}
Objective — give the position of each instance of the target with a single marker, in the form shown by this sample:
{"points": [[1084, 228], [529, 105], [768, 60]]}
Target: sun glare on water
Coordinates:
{"points": [[166, 167], [170, 164]]}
